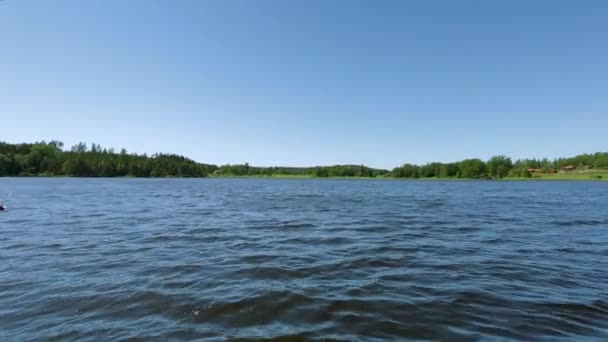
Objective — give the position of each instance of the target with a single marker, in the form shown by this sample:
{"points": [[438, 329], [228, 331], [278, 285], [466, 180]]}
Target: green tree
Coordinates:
{"points": [[406, 171], [472, 168], [499, 166], [5, 163], [80, 148], [428, 170], [601, 161]]}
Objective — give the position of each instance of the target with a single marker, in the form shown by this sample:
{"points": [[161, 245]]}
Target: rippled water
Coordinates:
{"points": [[290, 260]]}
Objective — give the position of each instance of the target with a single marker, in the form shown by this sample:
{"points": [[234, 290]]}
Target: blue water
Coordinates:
{"points": [[298, 260]]}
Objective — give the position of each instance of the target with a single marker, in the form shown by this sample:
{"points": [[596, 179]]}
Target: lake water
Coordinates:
{"points": [[291, 260]]}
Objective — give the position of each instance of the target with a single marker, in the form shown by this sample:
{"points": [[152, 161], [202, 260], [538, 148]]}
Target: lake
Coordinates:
{"points": [[299, 260]]}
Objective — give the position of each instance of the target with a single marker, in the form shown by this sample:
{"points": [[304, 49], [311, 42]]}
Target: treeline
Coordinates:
{"points": [[500, 167], [495, 167], [49, 159], [318, 171]]}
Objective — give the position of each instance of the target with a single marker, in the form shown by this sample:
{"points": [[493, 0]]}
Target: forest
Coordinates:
{"points": [[51, 159]]}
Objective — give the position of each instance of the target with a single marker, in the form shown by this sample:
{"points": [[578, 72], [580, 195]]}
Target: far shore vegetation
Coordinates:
{"points": [[50, 159]]}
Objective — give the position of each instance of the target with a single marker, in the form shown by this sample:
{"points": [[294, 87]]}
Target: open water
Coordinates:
{"points": [[291, 260]]}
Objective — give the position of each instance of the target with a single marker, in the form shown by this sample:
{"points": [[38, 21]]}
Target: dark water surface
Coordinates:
{"points": [[290, 260]]}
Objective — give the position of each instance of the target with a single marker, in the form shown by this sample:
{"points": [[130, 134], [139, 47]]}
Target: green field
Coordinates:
{"points": [[575, 175]]}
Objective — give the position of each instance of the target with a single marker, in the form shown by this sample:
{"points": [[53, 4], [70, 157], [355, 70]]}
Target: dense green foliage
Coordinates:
{"points": [[319, 171], [500, 167], [49, 159]]}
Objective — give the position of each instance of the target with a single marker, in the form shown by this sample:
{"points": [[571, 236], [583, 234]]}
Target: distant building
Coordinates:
{"points": [[534, 170], [569, 168]]}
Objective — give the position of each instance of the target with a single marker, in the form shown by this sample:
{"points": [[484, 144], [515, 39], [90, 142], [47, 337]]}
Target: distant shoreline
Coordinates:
{"points": [[50, 159], [559, 177]]}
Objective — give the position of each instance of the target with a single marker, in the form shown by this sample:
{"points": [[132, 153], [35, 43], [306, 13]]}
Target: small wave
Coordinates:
{"points": [[281, 225], [272, 273], [285, 338], [363, 263], [258, 258], [258, 310], [431, 204], [579, 223]]}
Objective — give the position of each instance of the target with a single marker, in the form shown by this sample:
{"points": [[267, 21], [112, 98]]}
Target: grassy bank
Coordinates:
{"points": [[575, 175]]}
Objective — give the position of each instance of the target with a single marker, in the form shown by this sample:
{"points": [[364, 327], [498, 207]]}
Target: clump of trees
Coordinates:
{"points": [[49, 159], [318, 171]]}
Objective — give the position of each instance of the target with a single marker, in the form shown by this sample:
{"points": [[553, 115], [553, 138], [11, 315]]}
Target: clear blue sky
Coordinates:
{"points": [[308, 82]]}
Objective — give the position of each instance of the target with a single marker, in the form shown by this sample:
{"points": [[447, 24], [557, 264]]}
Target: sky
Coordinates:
{"points": [[302, 83]]}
